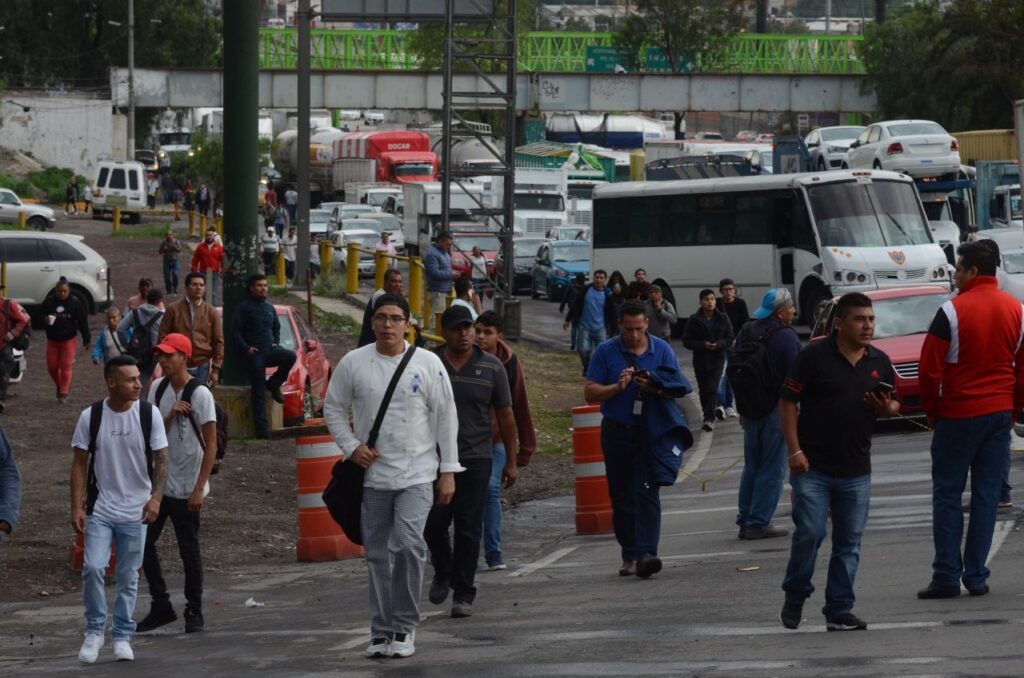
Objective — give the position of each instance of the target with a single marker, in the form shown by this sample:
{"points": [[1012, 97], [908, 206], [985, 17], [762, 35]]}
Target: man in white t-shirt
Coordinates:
{"points": [[186, 409], [117, 482]]}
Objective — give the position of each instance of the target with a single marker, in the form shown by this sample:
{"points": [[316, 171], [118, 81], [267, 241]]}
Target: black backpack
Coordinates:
{"points": [[222, 418], [752, 376], [95, 418], [140, 346]]}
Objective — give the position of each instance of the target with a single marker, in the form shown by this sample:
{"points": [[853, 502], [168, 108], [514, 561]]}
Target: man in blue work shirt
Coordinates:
{"points": [[257, 334], [619, 371], [589, 311]]}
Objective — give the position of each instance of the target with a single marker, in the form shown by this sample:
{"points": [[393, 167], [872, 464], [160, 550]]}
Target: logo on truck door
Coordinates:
{"points": [[898, 257]]}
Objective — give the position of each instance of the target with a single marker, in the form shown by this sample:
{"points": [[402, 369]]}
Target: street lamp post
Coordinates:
{"points": [[131, 80]]}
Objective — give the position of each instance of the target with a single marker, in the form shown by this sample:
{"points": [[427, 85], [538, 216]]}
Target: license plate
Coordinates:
{"points": [[117, 201]]}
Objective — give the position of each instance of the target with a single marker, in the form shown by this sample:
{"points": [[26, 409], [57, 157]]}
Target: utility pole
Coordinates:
{"points": [[130, 151], [302, 153]]}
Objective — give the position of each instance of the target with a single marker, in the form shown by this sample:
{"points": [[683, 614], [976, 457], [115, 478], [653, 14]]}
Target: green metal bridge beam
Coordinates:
{"points": [[565, 52]]}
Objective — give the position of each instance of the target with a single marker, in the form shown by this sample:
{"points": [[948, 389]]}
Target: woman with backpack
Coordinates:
{"points": [[142, 324], [65, 318]]}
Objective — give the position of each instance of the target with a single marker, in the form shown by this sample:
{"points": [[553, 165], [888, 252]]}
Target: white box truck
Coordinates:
{"points": [[422, 211]]}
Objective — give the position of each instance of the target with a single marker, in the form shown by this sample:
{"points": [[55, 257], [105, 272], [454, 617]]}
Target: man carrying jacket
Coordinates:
{"points": [[972, 387], [708, 334], [257, 334], [437, 267], [198, 321], [590, 312], [13, 322], [209, 258]]}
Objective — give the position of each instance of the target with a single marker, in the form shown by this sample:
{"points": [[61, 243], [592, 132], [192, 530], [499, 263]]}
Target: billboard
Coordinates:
{"points": [[404, 10]]}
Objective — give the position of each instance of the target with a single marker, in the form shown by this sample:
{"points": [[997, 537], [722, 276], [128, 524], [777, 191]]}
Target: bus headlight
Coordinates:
{"points": [[851, 277]]}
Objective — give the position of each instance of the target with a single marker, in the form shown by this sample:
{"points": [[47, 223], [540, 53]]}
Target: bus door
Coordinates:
{"points": [[796, 250]]}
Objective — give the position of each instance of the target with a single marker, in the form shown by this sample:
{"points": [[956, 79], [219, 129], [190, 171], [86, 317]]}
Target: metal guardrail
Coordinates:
{"points": [[563, 52]]}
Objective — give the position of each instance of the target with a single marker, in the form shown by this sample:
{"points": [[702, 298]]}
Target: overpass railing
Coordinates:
{"points": [[564, 52]]}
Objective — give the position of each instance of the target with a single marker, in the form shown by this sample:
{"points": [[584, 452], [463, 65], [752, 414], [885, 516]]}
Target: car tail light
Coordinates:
{"points": [[954, 145], [101, 273], [894, 148]]}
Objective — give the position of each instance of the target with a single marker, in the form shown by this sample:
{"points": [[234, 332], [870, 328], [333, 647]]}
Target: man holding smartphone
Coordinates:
{"points": [[842, 384]]}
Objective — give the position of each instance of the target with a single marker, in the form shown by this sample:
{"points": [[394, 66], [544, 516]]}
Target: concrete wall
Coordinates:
{"points": [[60, 130]]}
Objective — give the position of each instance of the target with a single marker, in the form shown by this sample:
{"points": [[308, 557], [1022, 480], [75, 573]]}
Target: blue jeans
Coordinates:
{"points": [[813, 494], [212, 282], [130, 539], [257, 365], [724, 387], [764, 469], [201, 373], [979, 445], [636, 503], [492, 507], [170, 276], [586, 341]]}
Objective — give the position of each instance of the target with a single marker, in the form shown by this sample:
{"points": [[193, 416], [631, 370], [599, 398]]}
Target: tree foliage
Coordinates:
{"points": [[72, 44], [427, 41], [960, 67]]}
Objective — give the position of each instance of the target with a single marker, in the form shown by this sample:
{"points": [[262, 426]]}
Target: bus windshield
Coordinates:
{"points": [[174, 138], [544, 202], [868, 214]]}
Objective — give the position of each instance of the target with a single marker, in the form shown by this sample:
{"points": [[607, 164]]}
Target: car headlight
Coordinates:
{"points": [[522, 269], [837, 149], [558, 273]]}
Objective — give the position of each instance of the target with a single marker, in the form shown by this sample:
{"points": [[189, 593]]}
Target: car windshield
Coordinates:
{"points": [[414, 169], [362, 225], [906, 315], [526, 248], [836, 133], [1013, 262], [582, 191], [174, 138], [906, 129], [388, 222], [566, 253], [377, 198], [540, 202], [569, 232], [487, 243], [937, 210], [366, 241], [868, 214], [316, 216], [287, 336]]}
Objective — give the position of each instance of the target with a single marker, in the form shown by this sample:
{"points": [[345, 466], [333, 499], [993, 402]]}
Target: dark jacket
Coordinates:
{"points": [[737, 312], [71, 319], [696, 333], [520, 406], [576, 308], [665, 433], [255, 324]]}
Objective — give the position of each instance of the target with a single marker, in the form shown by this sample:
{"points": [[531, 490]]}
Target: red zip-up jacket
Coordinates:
{"points": [[207, 257], [972, 361]]}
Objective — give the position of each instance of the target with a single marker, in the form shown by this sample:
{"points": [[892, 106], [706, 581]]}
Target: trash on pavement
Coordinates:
{"points": [[252, 602]]}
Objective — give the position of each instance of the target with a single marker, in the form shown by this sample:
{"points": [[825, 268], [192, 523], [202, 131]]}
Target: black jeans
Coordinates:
{"points": [[636, 499], [467, 509], [186, 530], [708, 375], [257, 365], [6, 366]]}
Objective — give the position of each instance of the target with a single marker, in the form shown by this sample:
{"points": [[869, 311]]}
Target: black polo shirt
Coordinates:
{"points": [[835, 423], [480, 385]]}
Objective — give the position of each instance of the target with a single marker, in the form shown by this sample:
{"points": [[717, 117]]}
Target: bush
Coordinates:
{"points": [[53, 182], [22, 187]]}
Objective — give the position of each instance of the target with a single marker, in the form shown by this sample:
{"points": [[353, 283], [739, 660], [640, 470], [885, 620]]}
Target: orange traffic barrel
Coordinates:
{"points": [[593, 504], [76, 555], [320, 538]]}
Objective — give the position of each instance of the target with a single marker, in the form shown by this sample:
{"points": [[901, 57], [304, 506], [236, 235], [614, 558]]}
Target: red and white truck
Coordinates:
{"points": [[386, 156]]}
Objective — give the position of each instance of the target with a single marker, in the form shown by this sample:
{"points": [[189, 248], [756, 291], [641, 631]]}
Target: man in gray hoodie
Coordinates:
{"points": [[146, 317], [661, 315]]}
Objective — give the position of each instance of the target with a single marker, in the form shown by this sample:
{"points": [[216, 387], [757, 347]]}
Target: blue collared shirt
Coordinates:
{"points": [[607, 363]]}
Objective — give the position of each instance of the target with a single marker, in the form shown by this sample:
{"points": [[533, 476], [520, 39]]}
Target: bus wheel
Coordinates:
{"points": [[814, 298]]}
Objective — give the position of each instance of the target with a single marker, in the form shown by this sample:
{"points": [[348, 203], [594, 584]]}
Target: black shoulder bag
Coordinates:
{"points": [[343, 495]]}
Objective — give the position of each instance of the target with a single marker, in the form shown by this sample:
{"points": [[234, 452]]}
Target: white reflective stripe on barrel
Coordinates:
{"points": [[589, 470], [587, 420], [311, 500], [317, 450]]}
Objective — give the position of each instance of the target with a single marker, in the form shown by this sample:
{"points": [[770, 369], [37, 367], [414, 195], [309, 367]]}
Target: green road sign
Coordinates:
{"points": [[605, 59], [656, 61]]}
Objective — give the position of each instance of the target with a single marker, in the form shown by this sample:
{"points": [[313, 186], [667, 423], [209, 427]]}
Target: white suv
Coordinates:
{"points": [[36, 261], [38, 217]]}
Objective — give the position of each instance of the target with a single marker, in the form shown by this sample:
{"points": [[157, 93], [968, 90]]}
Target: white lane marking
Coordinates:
{"points": [[700, 450], [1003, 528], [544, 562]]}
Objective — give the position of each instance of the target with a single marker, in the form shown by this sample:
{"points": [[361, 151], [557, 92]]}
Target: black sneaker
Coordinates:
{"points": [[978, 591], [193, 620], [847, 621], [438, 591], [159, 615], [647, 566], [275, 393], [769, 532], [933, 591], [791, 614]]}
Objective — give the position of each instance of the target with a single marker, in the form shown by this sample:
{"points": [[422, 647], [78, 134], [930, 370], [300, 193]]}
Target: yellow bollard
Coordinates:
{"points": [[279, 268], [219, 222], [326, 255], [3, 275], [21, 220], [117, 220], [416, 287], [381, 261], [191, 224], [202, 224], [352, 269]]}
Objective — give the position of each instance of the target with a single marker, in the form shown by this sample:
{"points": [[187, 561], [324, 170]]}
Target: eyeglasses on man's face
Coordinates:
{"points": [[389, 319]]}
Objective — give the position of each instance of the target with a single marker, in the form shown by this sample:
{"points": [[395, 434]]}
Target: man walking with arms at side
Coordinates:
{"points": [[117, 483], [417, 441], [972, 387], [708, 334], [843, 384], [480, 385], [208, 259], [198, 321], [589, 312], [619, 377], [189, 416], [437, 267], [768, 345], [736, 309]]}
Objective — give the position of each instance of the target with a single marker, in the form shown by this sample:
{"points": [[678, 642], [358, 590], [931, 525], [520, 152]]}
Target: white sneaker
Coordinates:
{"points": [[731, 412], [720, 413], [123, 651], [379, 647], [404, 644], [90, 648]]}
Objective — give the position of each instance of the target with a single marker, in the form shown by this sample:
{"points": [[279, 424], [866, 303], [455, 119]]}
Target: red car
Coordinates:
{"points": [[902, 317], [462, 247], [306, 387]]}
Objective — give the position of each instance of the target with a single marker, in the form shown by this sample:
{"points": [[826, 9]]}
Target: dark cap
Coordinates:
{"points": [[456, 316]]}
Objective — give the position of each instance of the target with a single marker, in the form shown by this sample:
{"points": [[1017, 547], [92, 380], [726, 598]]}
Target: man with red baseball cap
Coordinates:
{"points": [[187, 408]]}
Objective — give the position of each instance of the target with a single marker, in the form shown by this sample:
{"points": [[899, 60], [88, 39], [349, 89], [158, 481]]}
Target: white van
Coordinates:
{"points": [[119, 183]]}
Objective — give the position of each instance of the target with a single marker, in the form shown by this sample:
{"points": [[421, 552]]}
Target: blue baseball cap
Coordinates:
{"points": [[773, 300]]}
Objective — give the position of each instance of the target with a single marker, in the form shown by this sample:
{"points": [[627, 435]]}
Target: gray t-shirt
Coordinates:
{"points": [[184, 454], [479, 386]]}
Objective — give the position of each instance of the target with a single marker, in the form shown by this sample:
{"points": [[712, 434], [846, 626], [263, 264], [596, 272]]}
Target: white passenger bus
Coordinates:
{"points": [[818, 234]]}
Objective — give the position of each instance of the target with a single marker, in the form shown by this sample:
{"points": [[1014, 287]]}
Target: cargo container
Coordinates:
{"points": [[989, 144]]}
